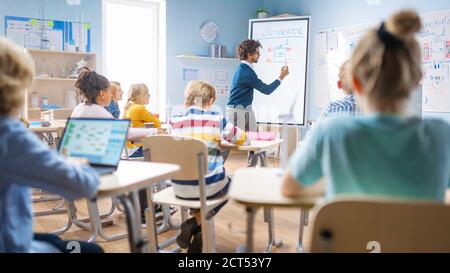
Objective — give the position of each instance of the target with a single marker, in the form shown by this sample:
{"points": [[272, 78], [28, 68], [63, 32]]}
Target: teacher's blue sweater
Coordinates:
{"points": [[245, 81]]}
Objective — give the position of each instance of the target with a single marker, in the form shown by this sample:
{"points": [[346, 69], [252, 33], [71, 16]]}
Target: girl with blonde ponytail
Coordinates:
{"points": [[383, 153]]}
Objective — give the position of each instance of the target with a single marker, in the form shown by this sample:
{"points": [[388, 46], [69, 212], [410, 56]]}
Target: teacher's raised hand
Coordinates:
{"points": [[284, 72]]}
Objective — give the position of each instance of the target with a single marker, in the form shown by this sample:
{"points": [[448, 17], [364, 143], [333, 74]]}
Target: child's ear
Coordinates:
{"points": [[357, 86]]}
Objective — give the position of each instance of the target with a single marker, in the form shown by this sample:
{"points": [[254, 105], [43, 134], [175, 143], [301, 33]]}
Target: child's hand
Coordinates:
{"points": [[77, 161]]}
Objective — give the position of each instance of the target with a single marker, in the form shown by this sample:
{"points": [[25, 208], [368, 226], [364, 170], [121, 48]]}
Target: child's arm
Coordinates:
{"points": [[146, 116], [233, 134], [33, 164]]}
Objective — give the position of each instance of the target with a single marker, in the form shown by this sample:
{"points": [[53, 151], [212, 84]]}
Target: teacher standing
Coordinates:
{"points": [[245, 81]]}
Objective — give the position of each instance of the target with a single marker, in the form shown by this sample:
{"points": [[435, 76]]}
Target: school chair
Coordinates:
{"points": [[381, 225], [192, 156]]}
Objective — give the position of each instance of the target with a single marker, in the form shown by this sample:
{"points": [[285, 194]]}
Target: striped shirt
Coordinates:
{"points": [[345, 106], [211, 127]]}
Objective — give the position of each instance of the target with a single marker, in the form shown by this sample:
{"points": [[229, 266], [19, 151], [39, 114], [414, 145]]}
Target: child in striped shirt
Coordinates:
{"points": [[346, 105], [201, 122]]}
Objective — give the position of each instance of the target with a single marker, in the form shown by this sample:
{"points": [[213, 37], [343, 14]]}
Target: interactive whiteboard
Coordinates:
{"points": [[284, 41], [334, 46]]}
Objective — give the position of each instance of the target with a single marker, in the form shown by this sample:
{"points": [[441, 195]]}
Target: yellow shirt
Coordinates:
{"points": [[139, 115]]}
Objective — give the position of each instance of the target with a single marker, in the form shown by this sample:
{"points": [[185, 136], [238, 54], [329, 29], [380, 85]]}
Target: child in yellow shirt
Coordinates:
{"points": [[135, 111]]}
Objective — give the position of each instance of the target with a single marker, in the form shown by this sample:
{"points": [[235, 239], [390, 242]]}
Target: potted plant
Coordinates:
{"points": [[262, 13]]}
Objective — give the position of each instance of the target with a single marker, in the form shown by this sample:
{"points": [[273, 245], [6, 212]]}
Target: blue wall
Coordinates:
{"points": [[335, 13], [58, 10], [183, 22], [184, 18]]}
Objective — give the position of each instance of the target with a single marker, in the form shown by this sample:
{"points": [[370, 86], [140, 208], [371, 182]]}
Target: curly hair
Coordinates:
{"points": [[247, 47], [90, 84]]}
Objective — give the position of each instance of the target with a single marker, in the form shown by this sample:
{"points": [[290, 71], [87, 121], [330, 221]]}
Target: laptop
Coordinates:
{"points": [[100, 141]]}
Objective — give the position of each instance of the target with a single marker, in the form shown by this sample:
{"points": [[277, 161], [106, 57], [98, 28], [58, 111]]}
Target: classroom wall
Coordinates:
{"points": [[183, 17], [183, 22], [58, 10], [332, 13]]}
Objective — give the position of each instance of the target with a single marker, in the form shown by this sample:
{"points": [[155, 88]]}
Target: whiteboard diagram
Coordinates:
{"points": [[435, 43], [281, 54], [284, 42], [334, 46]]}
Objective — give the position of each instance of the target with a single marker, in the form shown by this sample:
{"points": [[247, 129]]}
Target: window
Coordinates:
{"points": [[134, 48]]}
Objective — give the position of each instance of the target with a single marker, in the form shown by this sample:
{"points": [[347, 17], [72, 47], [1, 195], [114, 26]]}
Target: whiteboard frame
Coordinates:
{"points": [[308, 54]]}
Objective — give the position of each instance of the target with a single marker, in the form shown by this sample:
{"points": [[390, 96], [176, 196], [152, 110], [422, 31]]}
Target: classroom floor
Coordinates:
{"points": [[230, 222]]}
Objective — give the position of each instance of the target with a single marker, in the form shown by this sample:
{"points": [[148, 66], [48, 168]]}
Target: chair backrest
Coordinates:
{"points": [[183, 151], [381, 226]]}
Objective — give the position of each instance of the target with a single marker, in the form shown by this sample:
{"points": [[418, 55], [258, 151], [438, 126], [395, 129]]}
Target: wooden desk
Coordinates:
{"points": [[130, 177], [256, 149], [255, 145], [46, 133], [255, 188]]}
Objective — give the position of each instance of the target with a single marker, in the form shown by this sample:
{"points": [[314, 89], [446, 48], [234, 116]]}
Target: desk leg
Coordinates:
{"points": [[268, 214], [135, 240], [263, 157], [137, 206], [151, 225], [269, 219], [95, 221], [250, 224], [303, 222]]}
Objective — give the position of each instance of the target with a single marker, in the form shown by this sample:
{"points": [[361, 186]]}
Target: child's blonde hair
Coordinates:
{"points": [[199, 93], [137, 91], [16, 75], [115, 87], [387, 61]]}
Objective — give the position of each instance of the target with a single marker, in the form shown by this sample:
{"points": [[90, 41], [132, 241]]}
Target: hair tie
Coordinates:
{"points": [[388, 39]]}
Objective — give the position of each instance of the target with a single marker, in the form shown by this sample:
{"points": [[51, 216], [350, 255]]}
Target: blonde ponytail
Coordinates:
{"points": [[387, 61]]}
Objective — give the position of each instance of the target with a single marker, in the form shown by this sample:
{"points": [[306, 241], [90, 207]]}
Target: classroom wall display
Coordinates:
{"points": [[48, 34], [220, 79], [334, 46], [284, 42]]}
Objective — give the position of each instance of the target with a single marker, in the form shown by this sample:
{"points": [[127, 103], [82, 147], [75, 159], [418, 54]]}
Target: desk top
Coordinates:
{"points": [[255, 145], [134, 175], [56, 124], [261, 187]]}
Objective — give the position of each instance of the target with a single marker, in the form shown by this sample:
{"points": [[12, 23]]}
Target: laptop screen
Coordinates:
{"points": [[99, 140]]}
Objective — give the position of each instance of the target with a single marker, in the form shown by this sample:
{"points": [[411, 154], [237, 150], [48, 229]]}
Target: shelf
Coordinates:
{"points": [[55, 79], [32, 50], [195, 61], [202, 58]]}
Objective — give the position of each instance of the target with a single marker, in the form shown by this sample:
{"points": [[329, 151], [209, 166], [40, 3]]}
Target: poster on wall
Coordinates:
{"points": [[48, 34]]}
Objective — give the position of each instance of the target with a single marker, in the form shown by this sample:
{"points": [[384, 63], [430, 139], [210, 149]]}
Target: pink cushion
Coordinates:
{"points": [[261, 136]]}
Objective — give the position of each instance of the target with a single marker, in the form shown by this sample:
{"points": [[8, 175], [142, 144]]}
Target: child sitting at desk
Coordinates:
{"points": [[135, 110], [381, 153], [117, 93], [26, 163], [201, 122], [96, 91]]}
